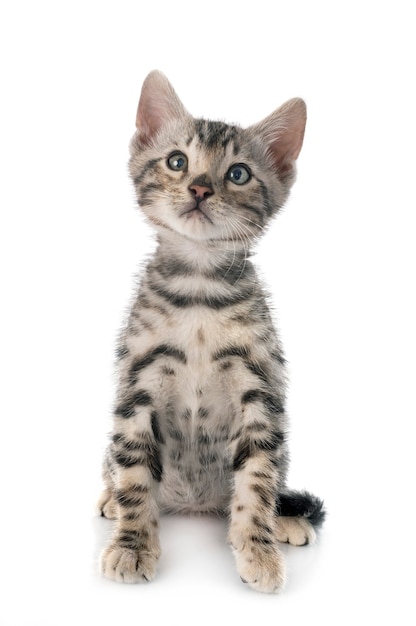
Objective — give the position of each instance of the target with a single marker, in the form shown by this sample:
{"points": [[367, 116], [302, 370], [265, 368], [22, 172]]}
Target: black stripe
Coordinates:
{"points": [[264, 540], [271, 442], [121, 352], [272, 404], [149, 165], [155, 465], [250, 446], [127, 444], [257, 426], [230, 135], [265, 195], [150, 187], [229, 272], [241, 455], [142, 398], [133, 539], [156, 428], [128, 460], [259, 524], [241, 351], [214, 134], [278, 357], [254, 210], [212, 302], [151, 460], [237, 270], [200, 130], [266, 495], [133, 497], [177, 300], [256, 369], [128, 408], [174, 267], [127, 500], [252, 395], [163, 350]]}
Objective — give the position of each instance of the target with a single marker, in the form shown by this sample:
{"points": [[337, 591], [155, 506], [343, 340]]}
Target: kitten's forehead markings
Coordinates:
{"points": [[214, 135], [209, 164]]}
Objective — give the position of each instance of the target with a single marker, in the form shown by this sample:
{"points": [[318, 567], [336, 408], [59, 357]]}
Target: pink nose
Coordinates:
{"points": [[201, 192]]}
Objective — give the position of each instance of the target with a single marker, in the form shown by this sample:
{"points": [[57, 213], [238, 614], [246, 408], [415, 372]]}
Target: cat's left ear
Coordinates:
{"points": [[158, 105], [283, 132]]}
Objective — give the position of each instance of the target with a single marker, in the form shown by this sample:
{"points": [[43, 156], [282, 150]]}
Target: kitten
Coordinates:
{"points": [[199, 420]]}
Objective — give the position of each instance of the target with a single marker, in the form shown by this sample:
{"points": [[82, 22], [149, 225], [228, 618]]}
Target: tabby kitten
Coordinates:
{"points": [[199, 420]]}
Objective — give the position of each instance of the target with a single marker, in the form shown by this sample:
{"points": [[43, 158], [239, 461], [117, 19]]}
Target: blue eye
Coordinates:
{"points": [[239, 174], [177, 162]]}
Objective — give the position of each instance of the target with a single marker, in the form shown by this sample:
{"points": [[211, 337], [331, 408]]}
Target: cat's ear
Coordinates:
{"points": [[283, 132], [158, 105]]}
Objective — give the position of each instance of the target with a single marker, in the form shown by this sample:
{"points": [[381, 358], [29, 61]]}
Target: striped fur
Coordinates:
{"points": [[199, 419]]}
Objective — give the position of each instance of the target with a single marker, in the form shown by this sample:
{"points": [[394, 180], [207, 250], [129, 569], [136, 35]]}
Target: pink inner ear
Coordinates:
{"points": [[286, 138], [150, 112], [158, 105], [285, 149], [149, 119]]}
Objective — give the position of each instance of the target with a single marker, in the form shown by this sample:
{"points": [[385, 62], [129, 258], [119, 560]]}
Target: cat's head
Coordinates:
{"points": [[208, 180]]}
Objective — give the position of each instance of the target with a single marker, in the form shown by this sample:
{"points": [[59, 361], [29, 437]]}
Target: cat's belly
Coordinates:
{"points": [[189, 489], [197, 427], [197, 413]]}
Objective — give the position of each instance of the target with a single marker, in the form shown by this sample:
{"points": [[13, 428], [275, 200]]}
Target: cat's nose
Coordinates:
{"points": [[201, 192]]}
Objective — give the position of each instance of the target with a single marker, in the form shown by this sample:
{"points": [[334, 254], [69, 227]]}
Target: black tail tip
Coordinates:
{"points": [[302, 504]]}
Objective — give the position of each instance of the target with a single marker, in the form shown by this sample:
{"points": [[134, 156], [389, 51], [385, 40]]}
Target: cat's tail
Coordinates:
{"points": [[302, 504]]}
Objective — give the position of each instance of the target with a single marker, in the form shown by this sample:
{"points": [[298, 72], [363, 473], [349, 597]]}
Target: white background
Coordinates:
{"points": [[340, 263]]}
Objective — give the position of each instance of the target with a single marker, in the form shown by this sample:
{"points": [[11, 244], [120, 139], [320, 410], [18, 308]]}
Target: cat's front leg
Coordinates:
{"points": [[132, 554], [259, 457]]}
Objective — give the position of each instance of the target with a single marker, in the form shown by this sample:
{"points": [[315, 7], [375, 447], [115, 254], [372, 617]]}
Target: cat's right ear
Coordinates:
{"points": [[282, 132], [158, 106]]}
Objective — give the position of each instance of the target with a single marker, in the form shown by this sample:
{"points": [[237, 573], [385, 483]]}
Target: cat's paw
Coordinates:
{"points": [[295, 530], [126, 565], [262, 567], [106, 505]]}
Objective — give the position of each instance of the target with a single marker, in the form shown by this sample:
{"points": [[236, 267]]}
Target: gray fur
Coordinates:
{"points": [[199, 421]]}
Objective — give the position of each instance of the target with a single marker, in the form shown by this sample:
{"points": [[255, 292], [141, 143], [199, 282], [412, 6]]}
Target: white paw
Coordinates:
{"points": [[262, 567], [127, 565], [295, 530], [107, 506]]}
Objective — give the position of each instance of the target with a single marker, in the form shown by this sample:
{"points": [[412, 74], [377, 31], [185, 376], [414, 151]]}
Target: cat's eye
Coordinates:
{"points": [[239, 174], [177, 162]]}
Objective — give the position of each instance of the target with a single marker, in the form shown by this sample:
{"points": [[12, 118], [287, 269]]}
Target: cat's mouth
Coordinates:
{"points": [[196, 211]]}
